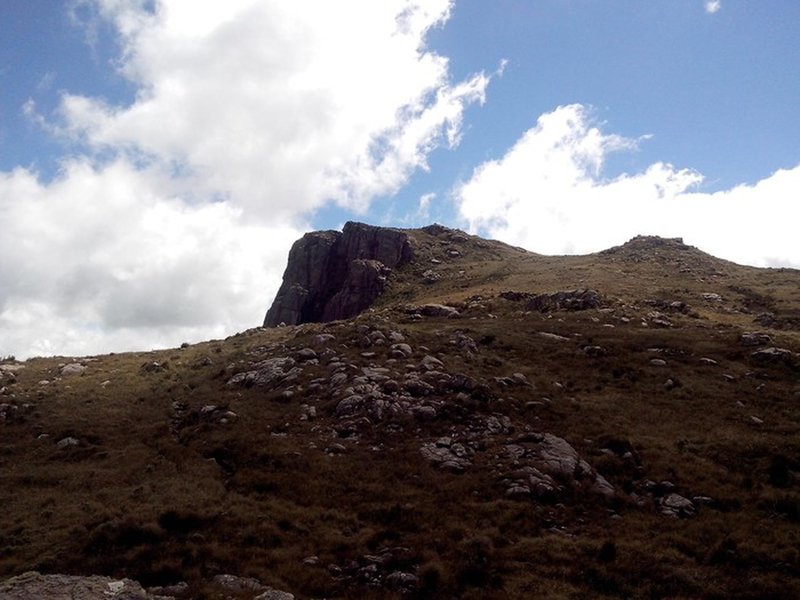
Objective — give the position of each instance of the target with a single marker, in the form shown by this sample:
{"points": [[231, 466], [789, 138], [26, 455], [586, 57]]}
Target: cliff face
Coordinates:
{"points": [[332, 275]]}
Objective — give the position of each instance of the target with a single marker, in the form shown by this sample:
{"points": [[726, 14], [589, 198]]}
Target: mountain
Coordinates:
{"points": [[428, 414]]}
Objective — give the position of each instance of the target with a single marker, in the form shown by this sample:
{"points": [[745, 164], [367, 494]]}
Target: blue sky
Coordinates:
{"points": [[157, 158]]}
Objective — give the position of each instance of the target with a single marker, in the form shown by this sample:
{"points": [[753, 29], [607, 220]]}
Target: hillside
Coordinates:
{"points": [[498, 424]]}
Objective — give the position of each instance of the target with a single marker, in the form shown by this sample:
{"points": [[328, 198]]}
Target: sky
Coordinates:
{"points": [[159, 157]]}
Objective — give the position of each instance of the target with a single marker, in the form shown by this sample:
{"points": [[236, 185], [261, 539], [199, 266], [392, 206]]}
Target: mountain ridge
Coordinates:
{"points": [[495, 424]]}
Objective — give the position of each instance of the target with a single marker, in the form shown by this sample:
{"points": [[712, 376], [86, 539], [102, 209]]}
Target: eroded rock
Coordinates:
{"points": [[332, 275]]}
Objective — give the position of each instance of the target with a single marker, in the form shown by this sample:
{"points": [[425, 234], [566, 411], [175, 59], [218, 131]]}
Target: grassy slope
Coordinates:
{"points": [[258, 494]]}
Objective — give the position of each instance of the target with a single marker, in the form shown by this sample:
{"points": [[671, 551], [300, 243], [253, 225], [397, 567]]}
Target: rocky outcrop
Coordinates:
{"points": [[565, 300], [332, 275], [68, 587]]}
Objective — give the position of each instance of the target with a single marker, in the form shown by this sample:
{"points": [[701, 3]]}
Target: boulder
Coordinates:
{"points": [[436, 310], [266, 373], [772, 355], [675, 505], [72, 369], [754, 338], [556, 457], [581, 299]]}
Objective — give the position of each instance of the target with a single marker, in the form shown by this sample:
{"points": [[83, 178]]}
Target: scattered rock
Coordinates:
{"points": [[266, 373], [305, 354], [581, 299], [711, 297], [658, 319], [436, 310], [772, 355], [555, 456], [34, 586], [72, 369], [431, 363], [553, 336], [237, 584], [675, 505], [274, 595], [594, 351], [454, 458], [754, 338], [323, 339], [177, 590], [431, 276], [67, 442], [153, 367], [401, 581], [400, 351]]}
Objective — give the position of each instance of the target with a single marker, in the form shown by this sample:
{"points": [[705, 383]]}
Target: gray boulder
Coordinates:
{"points": [[754, 338], [581, 299], [266, 373], [773, 355]]}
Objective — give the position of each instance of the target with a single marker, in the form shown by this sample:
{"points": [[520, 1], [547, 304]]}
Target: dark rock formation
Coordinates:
{"points": [[332, 275]]}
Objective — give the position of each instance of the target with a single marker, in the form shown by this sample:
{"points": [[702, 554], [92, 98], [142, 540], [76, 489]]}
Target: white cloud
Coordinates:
{"points": [[712, 6], [281, 105], [174, 222], [424, 207], [103, 260], [548, 194]]}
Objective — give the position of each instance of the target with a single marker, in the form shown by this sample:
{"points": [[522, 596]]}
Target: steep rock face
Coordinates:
{"points": [[332, 275]]}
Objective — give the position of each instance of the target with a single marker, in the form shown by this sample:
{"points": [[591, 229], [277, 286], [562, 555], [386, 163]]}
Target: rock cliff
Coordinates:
{"points": [[334, 275]]}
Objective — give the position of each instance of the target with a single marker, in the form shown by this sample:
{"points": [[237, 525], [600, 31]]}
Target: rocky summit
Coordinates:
{"points": [[427, 414], [334, 275]]}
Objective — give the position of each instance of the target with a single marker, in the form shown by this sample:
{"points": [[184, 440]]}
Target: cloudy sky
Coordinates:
{"points": [[159, 157]]}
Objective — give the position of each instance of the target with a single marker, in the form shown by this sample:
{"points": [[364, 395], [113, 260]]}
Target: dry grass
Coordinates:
{"points": [[256, 496]]}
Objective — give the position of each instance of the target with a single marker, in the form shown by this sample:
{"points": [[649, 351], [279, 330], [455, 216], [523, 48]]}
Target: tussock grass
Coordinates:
{"points": [[144, 496]]}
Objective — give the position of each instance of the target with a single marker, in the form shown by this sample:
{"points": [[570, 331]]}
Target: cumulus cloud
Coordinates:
{"points": [[712, 6], [282, 106], [424, 206], [173, 218], [102, 260], [548, 194]]}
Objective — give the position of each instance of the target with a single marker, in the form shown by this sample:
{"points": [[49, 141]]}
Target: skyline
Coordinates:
{"points": [[157, 159]]}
